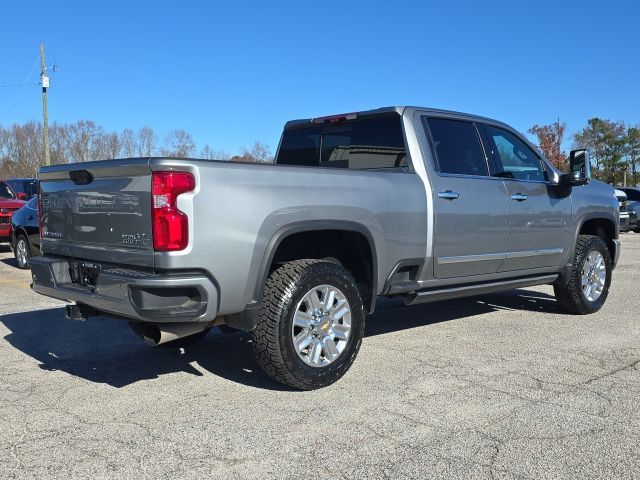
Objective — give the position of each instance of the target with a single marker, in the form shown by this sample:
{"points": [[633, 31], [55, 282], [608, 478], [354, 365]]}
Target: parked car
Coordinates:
{"points": [[24, 188], [625, 225], [633, 207], [25, 234], [8, 205], [405, 202]]}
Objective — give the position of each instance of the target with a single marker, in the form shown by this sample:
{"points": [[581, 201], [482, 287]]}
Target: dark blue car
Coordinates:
{"points": [[25, 233]]}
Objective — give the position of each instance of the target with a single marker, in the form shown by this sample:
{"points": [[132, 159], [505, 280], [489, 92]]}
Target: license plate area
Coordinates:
{"points": [[84, 273]]}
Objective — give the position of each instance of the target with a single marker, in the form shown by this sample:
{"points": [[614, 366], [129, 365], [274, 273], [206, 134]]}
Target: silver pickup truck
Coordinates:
{"points": [[406, 202]]}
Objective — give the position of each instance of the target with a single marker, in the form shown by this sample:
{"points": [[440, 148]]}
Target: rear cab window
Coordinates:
{"points": [[371, 142]]}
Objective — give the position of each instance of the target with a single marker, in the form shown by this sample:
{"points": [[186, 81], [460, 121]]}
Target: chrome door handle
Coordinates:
{"points": [[519, 197], [448, 195]]}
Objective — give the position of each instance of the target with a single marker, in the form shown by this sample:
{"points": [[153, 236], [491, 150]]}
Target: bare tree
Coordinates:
{"points": [[112, 144], [58, 144], [21, 149], [128, 143], [260, 153], [146, 142], [209, 153], [84, 141], [178, 143]]}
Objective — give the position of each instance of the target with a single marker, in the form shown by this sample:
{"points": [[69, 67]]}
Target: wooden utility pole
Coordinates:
{"points": [[45, 84]]}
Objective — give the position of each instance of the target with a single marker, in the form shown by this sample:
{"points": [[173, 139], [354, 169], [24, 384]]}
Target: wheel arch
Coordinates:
{"points": [[601, 226], [311, 226]]}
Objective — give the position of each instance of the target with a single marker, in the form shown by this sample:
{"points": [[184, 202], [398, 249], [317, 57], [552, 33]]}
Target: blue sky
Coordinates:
{"points": [[232, 72]]}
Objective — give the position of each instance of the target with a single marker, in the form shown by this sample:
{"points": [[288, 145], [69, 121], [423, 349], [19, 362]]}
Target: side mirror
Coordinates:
{"points": [[563, 187], [580, 166], [22, 196]]}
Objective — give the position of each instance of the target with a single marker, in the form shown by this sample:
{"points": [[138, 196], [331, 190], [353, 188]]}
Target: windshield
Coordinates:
{"points": [[5, 191]]}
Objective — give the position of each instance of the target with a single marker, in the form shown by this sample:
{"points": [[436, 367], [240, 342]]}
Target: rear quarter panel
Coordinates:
{"points": [[238, 208]]}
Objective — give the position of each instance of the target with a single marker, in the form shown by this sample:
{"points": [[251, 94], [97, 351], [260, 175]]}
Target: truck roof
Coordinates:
{"points": [[400, 110]]}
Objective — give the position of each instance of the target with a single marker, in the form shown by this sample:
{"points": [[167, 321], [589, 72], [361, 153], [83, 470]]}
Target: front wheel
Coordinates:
{"points": [[588, 285], [310, 325]]}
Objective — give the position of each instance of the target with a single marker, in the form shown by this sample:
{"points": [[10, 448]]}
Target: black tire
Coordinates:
{"points": [[273, 336], [571, 297], [22, 262]]}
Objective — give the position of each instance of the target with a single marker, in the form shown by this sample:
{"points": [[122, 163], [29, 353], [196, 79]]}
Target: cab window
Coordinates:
{"points": [[456, 147], [514, 158], [367, 143]]}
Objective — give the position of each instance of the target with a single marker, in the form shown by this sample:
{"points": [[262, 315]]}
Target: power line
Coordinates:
{"points": [[13, 85], [33, 67]]}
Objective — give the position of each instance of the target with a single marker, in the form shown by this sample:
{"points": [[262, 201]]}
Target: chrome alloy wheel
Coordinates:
{"points": [[21, 252], [594, 276], [321, 325]]}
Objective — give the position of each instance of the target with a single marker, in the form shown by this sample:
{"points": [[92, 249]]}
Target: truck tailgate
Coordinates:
{"points": [[98, 211]]}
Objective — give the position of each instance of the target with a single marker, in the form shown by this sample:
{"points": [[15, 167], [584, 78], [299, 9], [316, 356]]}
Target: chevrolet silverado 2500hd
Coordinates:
{"points": [[406, 202]]}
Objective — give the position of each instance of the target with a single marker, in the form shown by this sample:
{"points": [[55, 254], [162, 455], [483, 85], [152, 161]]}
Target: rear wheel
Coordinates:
{"points": [[22, 252], [310, 325], [588, 285]]}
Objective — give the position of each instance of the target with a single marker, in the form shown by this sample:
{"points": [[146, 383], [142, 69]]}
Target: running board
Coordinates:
{"points": [[478, 289]]}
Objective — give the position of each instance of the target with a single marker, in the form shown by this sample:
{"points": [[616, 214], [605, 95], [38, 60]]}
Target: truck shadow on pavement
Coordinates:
{"points": [[104, 350], [12, 262]]}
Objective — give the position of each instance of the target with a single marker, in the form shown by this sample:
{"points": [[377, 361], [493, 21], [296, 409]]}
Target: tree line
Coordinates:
{"points": [[614, 148], [22, 146]]}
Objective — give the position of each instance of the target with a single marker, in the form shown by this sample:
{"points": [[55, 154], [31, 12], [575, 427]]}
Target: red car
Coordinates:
{"points": [[9, 203]]}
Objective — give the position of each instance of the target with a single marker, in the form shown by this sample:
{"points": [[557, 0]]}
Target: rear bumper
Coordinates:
{"points": [[135, 294]]}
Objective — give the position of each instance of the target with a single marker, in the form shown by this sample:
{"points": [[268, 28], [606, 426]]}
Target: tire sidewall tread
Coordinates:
{"points": [[272, 336], [571, 297]]}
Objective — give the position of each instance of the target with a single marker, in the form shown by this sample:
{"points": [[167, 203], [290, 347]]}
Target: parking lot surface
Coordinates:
{"points": [[498, 386]]}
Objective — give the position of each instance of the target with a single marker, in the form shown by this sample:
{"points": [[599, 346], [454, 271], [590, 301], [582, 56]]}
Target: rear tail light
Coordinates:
{"points": [[170, 225]]}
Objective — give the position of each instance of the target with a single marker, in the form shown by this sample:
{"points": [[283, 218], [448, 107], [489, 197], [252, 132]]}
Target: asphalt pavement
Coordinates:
{"points": [[497, 386]]}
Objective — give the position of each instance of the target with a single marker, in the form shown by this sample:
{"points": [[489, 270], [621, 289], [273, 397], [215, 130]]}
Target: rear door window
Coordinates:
{"points": [[456, 146], [368, 143]]}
